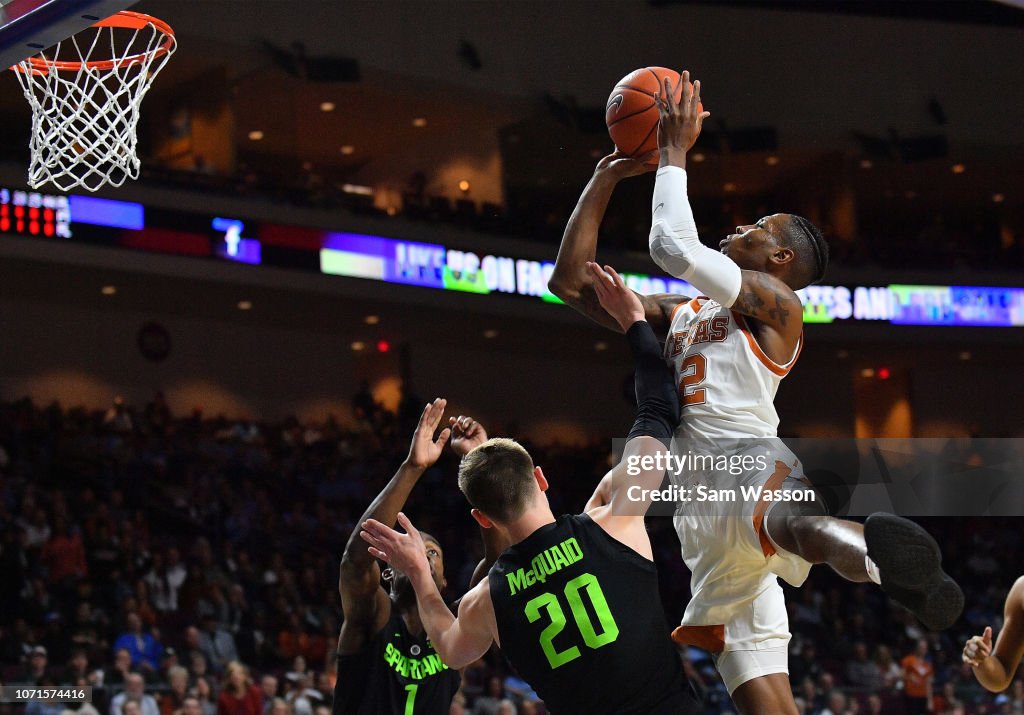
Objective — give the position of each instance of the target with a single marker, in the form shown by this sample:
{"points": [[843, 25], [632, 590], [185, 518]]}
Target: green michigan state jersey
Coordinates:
{"points": [[396, 673], [579, 616]]}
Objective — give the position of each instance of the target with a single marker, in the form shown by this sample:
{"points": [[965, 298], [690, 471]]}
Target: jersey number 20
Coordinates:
{"points": [[574, 591]]}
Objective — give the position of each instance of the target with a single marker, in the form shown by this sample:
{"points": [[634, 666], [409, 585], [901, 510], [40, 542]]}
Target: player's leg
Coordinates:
{"points": [[758, 680], [820, 540], [766, 695], [892, 551]]}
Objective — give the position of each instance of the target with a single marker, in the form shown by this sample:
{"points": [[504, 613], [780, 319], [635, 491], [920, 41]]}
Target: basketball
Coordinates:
{"points": [[631, 112]]}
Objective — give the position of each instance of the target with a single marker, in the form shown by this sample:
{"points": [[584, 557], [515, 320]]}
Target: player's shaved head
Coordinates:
{"points": [[497, 478]]}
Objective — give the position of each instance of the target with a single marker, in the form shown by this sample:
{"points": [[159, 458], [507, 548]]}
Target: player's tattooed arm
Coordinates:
{"points": [[364, 603], [773, 304]]}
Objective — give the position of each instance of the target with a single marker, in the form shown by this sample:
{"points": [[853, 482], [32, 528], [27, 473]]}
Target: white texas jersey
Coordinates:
{"points": [[726, 383]]}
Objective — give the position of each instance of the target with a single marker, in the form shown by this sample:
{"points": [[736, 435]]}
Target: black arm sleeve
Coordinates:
{"points": [[657, 404]]}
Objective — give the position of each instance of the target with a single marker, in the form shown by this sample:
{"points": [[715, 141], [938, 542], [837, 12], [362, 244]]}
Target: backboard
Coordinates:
{"points": [[29, 26]]}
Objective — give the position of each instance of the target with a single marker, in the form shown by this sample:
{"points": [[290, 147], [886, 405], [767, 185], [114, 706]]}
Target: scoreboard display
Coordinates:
{"points": [[128, 225]]}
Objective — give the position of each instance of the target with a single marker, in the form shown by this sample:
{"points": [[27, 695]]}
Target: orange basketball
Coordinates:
{"points": [[631, 113]]}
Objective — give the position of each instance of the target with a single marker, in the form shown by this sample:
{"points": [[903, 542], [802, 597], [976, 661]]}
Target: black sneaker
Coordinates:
{"points": [[910, 564]]}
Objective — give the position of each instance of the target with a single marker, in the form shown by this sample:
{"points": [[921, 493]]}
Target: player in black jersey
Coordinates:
{"points": [[386, 663], [573, 603]]}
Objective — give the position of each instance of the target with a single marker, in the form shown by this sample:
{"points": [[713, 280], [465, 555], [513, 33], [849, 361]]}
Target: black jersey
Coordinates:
{"points": [[396, 673], [580, 618]]}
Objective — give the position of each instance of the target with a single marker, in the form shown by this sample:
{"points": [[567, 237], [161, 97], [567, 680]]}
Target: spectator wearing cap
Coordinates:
{"points": [[36, 669], [144, 649], [239, 696], [216, 644], [134, 690]]}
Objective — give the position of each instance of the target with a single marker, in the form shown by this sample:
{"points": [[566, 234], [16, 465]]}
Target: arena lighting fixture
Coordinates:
{"points": [[464, 186], [698, 157], [866, 163], [327, 106], [867, 372], [771, 160], [108, 290], [255, 135], [419, 122], [490, 333], [965, 355], [358, 345], [600, 346], [371, 319], [357, 189], [958, 168], [245, 305], [729, 186], [347, 149], [998, 198]]}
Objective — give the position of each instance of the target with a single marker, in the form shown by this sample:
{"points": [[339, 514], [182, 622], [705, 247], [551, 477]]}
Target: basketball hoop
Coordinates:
{"points": [[85, 109]]}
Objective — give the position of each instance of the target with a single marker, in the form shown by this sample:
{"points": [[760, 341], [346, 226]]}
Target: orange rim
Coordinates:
{"points": [[126, 19]]}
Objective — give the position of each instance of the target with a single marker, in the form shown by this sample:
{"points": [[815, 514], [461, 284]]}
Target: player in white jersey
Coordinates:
{"points": [[731, 348]]}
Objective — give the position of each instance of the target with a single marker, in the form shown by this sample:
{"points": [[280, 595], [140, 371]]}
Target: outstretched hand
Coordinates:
{"points": [[425, 450], [467, 434], [404, 552], [619, 301], [679, 124], [978, 648]]}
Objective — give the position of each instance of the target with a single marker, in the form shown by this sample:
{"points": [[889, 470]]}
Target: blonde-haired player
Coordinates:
{"points": [[730, 349]]}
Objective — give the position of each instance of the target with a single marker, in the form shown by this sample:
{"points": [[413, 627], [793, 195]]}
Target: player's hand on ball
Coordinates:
{"points": [[679, 124], [467, 434], [425, 450], [620, 166], [978, 648], [620, 302], [404, 552]]}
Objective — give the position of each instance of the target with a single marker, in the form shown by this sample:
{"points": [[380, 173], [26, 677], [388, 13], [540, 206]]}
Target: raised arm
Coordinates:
{"points": [[676, 247], [995, 669], [364, 602], [458, 640], [570, 281], [622, 498]]}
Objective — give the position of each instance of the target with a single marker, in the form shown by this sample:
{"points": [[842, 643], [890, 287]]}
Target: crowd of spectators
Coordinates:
{"points": [[185, 565]]}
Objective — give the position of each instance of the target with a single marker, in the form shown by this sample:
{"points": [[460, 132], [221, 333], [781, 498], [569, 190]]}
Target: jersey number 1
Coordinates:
{"points": [[695, 369], [574, 590]]}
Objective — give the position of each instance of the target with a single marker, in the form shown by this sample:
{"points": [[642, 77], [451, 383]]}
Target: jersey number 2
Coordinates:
{"points": [[694, 370], [574, 590]]}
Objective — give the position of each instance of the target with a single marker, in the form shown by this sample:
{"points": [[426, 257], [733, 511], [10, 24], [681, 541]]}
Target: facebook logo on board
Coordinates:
{"points": [[233, 247]]}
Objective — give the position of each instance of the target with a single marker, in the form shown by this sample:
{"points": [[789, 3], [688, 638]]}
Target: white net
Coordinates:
{"points": [[85, 94]]}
